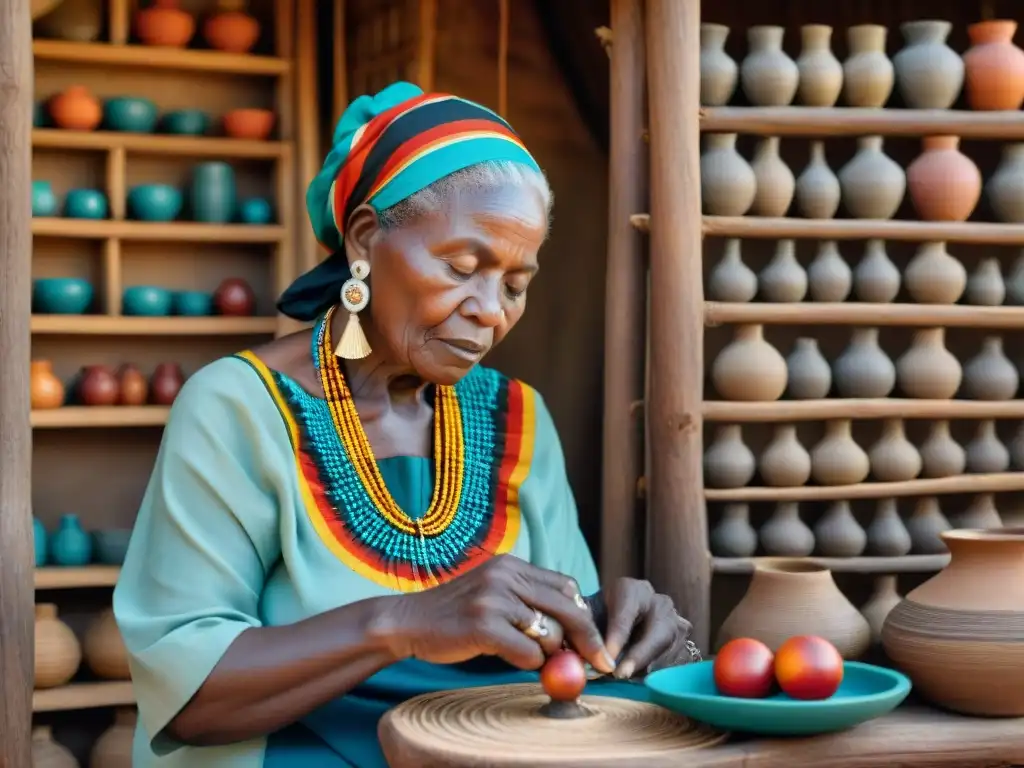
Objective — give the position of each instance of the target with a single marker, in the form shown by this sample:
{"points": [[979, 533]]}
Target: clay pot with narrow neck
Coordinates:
{"points": [[817, 188], [872, 183], [809, 375], [994, 66], [57, 652], [868, 75], [728, 462], [929, 73], [893, 457], [784, 463], [98, 386], [821, 74], [734, 536], [926, 525], [878, 607], [76, 109], [790, 597], [768, 76], [165, 24], [985, 285], [749, 368], [876, 279], [957, 636], [1005, 188], [783, 279], [165, 384], [829, 277], [727, 182], [231, 29], [784, 534], [732, 280], [774, 182], [837, 459], [837, 532], [887, 535], [927, 370], [718, 72], [986, 454], [47, 753], [990, 375], [935, 277], [944, 184], [863, 369], [980, 513], [941, 455], [46, 389], [113, 749]]}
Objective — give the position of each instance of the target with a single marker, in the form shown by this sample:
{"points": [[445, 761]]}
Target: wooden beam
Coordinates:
{"points": [[625, 297], [678, 560], [16, 558]]}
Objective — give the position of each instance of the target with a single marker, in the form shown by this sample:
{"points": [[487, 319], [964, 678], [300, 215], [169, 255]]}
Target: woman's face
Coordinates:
{"points": [[447, 286]]}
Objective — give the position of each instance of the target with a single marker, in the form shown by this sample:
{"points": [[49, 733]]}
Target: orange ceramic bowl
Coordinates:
{"points": [[253, 124]]}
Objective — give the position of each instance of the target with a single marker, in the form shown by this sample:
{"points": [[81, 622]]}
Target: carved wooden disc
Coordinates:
{"points": [[502, 726]]}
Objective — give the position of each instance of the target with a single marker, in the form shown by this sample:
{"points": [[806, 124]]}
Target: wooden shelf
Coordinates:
{"points": [[993, 483], [880, 565], [867, 408], [57, 577], [846, 121], [864, 314], [153, 57], [158, 144], [180, 231], [83, 696], [80, 417], [108, 325]]}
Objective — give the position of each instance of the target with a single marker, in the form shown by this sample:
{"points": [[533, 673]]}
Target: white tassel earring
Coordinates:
{"points": [[355, 295]]}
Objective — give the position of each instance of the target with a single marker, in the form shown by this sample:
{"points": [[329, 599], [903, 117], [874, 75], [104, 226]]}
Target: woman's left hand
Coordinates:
{"points": [[642, 630]]}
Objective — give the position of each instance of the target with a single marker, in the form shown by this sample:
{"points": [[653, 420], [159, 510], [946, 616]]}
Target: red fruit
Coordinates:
{"points": [[744, 668], [808, 667], [563, 676]]}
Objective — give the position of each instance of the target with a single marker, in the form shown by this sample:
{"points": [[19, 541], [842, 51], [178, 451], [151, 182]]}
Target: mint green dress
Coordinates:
{"points": [[250, 520]]}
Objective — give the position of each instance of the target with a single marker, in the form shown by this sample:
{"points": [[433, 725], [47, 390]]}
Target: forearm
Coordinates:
{"points": [[271, 677]]}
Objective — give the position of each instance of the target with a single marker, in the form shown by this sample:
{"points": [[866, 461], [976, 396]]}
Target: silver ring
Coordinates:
{"points": [[580, 602], [694, 651], [538, 627]]}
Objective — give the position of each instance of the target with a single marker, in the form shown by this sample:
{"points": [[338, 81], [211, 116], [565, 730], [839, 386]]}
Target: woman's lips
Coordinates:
{"points": [[464, 349]]}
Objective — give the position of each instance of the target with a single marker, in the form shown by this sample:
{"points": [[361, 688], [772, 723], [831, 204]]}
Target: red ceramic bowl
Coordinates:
{"points": [[252, 124]]}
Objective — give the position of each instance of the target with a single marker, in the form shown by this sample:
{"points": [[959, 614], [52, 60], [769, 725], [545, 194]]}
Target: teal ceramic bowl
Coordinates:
{"points": [[255, 210], [866, 692], [193, 303], [110, 545], [61, 295], [85, 204], [186, 122], [154, 202], [128, 113], [146, 301]]}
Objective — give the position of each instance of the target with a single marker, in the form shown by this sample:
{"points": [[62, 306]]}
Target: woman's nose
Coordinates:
{"points": [[484, 306]]}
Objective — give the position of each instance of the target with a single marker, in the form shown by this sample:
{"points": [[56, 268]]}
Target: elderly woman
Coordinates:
{"points": [[360, 513]]}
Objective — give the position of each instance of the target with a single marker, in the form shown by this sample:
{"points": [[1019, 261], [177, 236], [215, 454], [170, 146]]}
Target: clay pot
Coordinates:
{"points": [[104, 648], [749, 368], [768, 76], [98, 386], [131, 385], [1005, 189], [872, 183], [77, 20], [47, 390], [809, 376], [718, 72], [868, 75], [234, 298], [76, 109], [728, 462], [167, 381], [985, 286], [994, 66], [990, 375], [863, 369], [941, 455], [47, 753], [57, 652], [250, 124], [894, 458], [165, 24], [837, 533], [784, 534], [981, 513], [821, 74], [935, 277], [879, 605], [985, 453], [876, 279], [887, 536], [945, 185], [731, 279], [788, 598], [734, 536], [837, 459], [783, 279], [231, 29], [113, 749], [784, 463], [925, 525], [774, 182], [727, 182], [928, 72], [957, 636], [829, 276], [927, 370], [817, 189]]}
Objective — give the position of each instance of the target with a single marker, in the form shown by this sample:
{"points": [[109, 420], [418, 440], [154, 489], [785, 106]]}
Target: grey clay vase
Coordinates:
{"points": [[927, 370], [775, 183], [990, 375], [985, 286], [731, 279], [837, 533], [941, 455], [887, 536], [727, 182], [935, 277], [893, 457], [817, 188], [728, 462], [1015, 283], [1005, 189], [784, 463], [985, 453], [829, 276], [809, 374], [868, 75], [872, 183], [784, 534], [876, 279], [734, 536], [718, 72], [837, 459], [981, 513], [925, 524], [863, 370], [783, 279], [1017, 449], [768, 76], [929, 73]]}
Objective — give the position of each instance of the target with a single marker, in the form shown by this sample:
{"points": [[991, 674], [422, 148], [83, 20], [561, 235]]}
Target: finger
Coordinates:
{"points": [[501, 639], [522, 618], [624, 611], [533, 574], [577, 624], [658, 632]]}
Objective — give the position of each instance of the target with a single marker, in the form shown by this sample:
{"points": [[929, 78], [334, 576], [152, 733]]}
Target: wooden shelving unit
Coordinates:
{"points": [[83, 696], [743, 566], [108, 325], [55, 577], [149, 57], [78, 417]]}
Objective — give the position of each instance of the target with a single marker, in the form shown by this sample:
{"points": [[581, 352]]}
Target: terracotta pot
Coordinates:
{"points": [[57, 652], [98, 386], [165, 24], [104, 649], [167, 381], [957, 636], [234, 298], [792, 597], [114, 748], [252, 124], [76, 109], [132, 386], [994, 66], [232, 29], [47, 390], [47, 753], [944, 184]]}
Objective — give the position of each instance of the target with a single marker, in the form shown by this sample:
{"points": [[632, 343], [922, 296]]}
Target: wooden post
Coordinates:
{"points": [[625, 286], [16, 550], [678, 561]]}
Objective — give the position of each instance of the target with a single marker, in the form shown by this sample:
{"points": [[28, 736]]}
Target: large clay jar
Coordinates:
{"points": [[731, 279], [774, 182], [941, 455], [231, 29], [926, 525], [958, 635], [935, 277], [990, 375], [837, 459], [749, 368], [727, 182], [994, 66], [76, 109], [809, 376], [876, 279], [887, 535], [104, 648], [47, 390], [57, 652], [817, 188], [734, 536], [944, 184], [234, 298], [787, 598], [718, 72], [132, 387], [98, 386], [47, 753], [783, 279], [768, 76], [985, 285], [837, 532], [927, 370], [166, 383], [1005, 188], [863, 369], [868, 75], [784, 463], [113, 749], [821, 74], [873, 184], [929, 73], [728, 462], [893, 457], [165, 24], [829, 277]]}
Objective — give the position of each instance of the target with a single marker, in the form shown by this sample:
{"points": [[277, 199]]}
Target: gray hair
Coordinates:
{"points": [[485, 176]]}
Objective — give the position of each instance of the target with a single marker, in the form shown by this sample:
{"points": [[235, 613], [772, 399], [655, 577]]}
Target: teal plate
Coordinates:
{"points": [[866, 692]]}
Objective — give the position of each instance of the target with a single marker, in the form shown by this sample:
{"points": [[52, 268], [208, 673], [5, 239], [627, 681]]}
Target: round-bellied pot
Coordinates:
{"points": [[958, 635]]}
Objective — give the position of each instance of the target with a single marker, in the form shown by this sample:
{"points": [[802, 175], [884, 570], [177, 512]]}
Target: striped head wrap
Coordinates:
{"points": [[387, 148]]}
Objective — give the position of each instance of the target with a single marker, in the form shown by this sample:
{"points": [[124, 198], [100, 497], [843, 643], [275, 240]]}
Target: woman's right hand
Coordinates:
{"points": [[487, 612]]}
